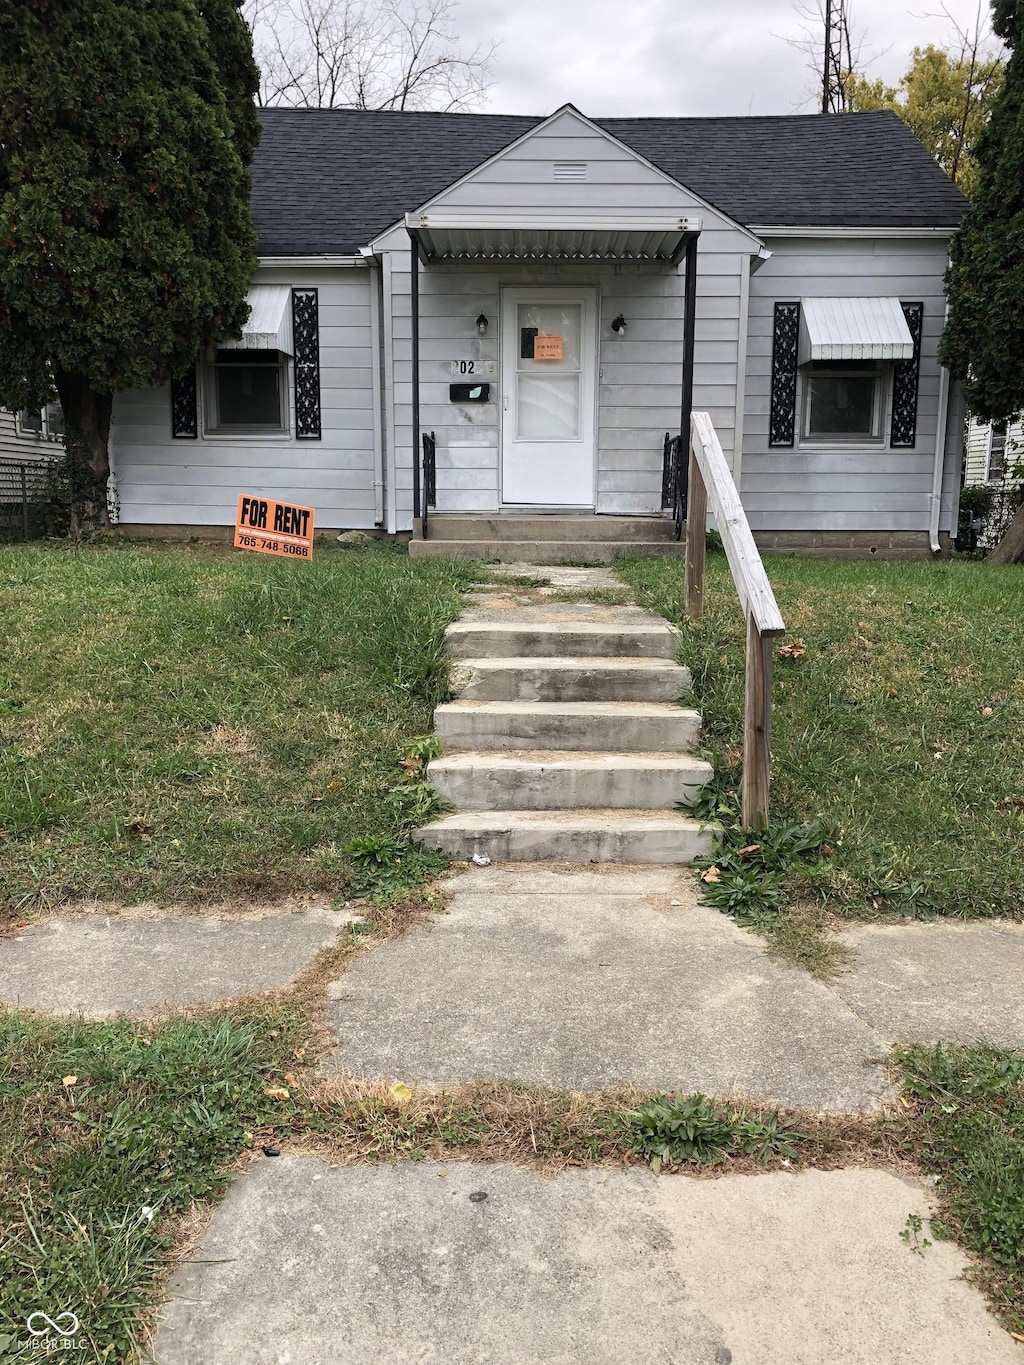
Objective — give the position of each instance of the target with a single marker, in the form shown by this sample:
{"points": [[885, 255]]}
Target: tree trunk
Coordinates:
{"points": [[1010, 549], [87, 451]]}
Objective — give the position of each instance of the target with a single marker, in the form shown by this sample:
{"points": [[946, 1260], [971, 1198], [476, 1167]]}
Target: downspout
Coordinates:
{"points": [[938, 468], [377, 382]]}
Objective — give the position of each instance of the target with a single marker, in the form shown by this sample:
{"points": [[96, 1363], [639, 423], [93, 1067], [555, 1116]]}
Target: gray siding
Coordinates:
{"points": [[640, 374], [197, 482], [841, 487], [15, 446]]}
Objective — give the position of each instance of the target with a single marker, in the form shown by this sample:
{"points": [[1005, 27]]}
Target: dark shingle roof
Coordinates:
{"points": [[329, 180]]}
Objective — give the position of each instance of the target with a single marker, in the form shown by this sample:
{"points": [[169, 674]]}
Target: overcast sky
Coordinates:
{"points": [[618, 57]]}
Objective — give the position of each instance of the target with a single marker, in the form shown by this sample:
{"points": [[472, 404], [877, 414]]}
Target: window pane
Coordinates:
{"points": [[841, 405], [30, 421], [249, 396], [563, 321], [54, 419], [548, 407]]}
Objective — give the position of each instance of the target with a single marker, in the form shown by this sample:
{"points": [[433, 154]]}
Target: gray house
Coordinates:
{"points": [[506, 297]]}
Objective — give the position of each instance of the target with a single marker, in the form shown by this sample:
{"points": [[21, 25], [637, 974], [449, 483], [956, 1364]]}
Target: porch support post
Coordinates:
{"points": [[689, 333], [414, 285]]}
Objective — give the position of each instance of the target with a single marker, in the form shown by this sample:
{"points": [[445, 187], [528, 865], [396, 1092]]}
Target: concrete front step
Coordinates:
{"points": [[568, 781], [547, 639], [570, 679], [616, 726], [581, 836], [545, 552], [571, 528]]}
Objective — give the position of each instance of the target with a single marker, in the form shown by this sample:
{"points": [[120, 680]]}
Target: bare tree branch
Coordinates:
{"points": [[850, 54], [358, 54]]}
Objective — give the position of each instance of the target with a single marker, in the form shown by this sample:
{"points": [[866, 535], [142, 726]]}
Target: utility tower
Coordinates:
{"points": [[838, 59]]}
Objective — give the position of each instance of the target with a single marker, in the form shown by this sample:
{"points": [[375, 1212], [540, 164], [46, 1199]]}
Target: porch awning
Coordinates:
{"points": [[854, 329], [269, 324], [518, 236]]}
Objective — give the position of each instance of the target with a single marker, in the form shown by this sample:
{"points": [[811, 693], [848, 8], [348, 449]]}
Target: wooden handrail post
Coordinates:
{"points": [[696, 540], [757, 724]]}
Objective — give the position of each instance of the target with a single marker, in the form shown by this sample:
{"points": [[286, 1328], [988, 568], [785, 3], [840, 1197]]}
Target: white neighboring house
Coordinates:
{"points": [[994, 449], [517, 288], [35, 435]]}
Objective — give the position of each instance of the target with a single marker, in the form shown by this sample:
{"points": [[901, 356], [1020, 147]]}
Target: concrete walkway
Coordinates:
{"points": [[102, 964], [589, 978], [495, 1265], [584, 979]]}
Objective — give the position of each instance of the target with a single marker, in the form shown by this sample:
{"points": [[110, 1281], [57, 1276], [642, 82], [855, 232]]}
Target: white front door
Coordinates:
{"points": [[548, 373]]}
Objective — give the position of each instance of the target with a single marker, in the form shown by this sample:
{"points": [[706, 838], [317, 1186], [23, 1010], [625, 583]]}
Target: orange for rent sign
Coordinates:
{"points": [[274, 528]]}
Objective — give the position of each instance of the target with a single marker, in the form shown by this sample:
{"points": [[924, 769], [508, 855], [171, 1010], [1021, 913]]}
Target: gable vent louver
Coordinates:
{"points": [[570, 170]]}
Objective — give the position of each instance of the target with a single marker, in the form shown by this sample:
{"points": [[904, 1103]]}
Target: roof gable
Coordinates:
{"points": [[568, 165]]}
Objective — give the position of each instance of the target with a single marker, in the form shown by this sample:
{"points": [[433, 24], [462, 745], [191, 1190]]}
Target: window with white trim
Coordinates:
{"points": [[247, 392], [996, 451], [843, 400], [46, 423]]}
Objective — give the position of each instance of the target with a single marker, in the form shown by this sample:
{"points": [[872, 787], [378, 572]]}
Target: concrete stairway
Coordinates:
{"points": [[567, 742], [545, 538]]}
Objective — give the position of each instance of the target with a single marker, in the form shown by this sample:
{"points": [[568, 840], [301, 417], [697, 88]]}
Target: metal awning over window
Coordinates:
{"points": [[518, 236], [854, 329], [269, 324]]}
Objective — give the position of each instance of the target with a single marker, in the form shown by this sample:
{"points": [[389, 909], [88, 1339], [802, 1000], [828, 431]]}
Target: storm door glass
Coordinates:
{"points": [[548, 371]]}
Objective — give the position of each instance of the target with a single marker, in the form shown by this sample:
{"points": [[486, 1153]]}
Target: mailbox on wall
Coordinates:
{"points": [[469, 393]]}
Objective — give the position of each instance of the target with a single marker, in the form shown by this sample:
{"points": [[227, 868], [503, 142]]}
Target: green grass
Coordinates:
{"points": [[106, 1130], [110, 1134], [197, 724], [970, 1127], [900, 728]]}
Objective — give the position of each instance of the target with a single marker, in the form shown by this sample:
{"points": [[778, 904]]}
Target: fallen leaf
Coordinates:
{"points": [[70, 1080], [827, 851], [750, 848], [1016, 1336], [289, 1079], [712, 874], [401, 1092], [986, 710], [411, 765], [862, 625], [276, 1092], [796, 650]]}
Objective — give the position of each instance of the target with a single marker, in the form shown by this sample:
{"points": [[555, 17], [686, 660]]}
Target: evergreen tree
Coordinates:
{"points": [[983, 343], [125, 237], [231, 49]]}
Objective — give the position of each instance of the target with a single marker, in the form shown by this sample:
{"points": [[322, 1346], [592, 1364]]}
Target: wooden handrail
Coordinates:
{"points": [[711, 487]]}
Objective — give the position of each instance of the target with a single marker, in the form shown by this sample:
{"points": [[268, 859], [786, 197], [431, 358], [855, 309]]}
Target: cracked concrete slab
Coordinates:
{"points": [[101, 965], [938, 982], [461, 1264], [584, 980]]}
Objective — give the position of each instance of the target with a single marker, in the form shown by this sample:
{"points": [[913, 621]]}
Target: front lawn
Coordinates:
{"points": [[200, 724], [898, 721]]}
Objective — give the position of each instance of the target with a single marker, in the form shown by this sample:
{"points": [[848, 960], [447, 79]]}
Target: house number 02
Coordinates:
{"points": [[472, 367]]}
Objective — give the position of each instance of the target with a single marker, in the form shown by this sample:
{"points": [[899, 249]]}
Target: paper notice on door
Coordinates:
{"points": [[548, 347]]}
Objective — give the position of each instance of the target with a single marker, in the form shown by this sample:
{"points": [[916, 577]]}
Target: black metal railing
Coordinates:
{"points": [[429, 476], [23, 488], [675, 469]]}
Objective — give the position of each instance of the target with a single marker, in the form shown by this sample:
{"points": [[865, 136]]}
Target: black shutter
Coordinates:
{"points": [[306, 340], [786, 334], [184, 407], [903, 430]]}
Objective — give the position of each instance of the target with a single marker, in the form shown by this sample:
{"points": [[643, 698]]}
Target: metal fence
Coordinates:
{"points": [[24, 486]]}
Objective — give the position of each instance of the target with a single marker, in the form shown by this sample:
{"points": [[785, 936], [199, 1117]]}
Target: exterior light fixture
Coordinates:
{"points": [[481, 325], [619, 325]]}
